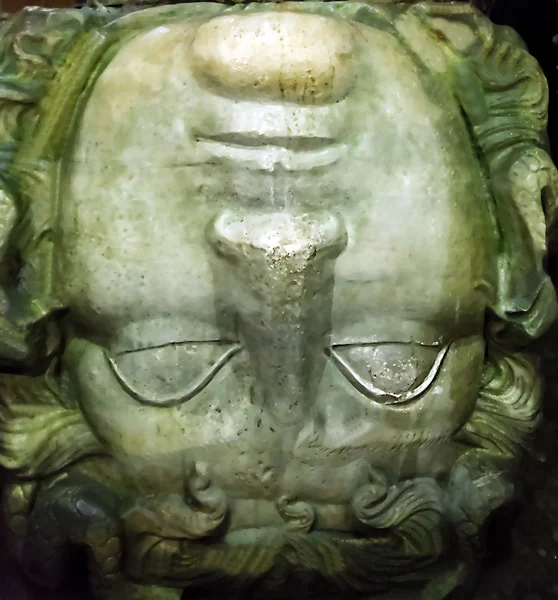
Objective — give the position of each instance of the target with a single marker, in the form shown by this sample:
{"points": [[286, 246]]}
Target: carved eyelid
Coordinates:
{"points": [[360, 342], [208, 342], [372, 392], [172, 400]]}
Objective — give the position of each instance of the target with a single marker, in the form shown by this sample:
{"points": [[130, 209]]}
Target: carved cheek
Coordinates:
{"points": [[350, 417]]}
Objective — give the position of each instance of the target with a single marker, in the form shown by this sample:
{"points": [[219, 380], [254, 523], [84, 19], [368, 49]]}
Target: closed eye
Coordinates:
{"points": [[211, 357], [405, 370]]}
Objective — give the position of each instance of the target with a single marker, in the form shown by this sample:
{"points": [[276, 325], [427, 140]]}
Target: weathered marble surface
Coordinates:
{"points": [[272, 273]]}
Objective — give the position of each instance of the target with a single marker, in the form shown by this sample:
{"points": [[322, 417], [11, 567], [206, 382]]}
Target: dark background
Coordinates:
{"points": [[522, 561], [537, 22]]}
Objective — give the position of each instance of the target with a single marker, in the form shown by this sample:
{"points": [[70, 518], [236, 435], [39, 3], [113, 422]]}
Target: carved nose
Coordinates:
{"points": [[277, 275], [293, 57]]}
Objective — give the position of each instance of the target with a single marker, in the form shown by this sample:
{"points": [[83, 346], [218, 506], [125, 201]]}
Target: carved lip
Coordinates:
{"points": [[265, 153]]}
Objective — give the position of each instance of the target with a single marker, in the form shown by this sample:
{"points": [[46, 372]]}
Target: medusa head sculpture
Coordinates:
{"points": [[270, 276]]}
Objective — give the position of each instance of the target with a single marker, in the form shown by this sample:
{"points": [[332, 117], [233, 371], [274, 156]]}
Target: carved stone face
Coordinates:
{"points": [[271, 222], [294, 244]]}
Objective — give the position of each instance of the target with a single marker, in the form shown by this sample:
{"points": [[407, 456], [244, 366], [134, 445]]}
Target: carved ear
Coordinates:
{"points": [[41, 430], [525, 190], [504, 98]]}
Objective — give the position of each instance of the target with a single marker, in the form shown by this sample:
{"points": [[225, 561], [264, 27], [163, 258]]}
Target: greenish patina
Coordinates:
{"points": [[270, 275]]}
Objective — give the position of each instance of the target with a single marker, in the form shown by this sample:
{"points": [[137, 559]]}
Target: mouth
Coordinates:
{"points": [[265, 153]]}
